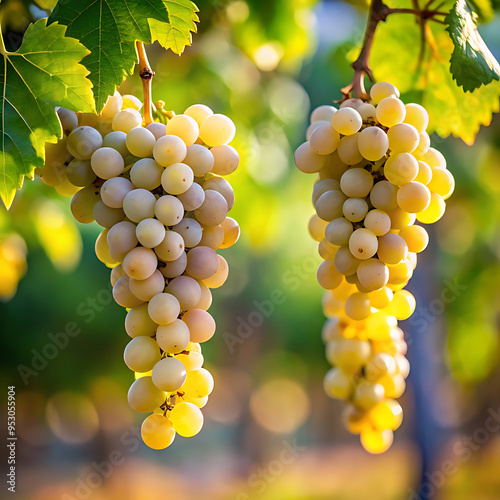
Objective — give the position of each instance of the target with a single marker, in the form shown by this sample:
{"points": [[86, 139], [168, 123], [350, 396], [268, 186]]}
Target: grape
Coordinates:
{"points": [[401, 168], [212, 237], [400, 218], [146, 173], [186, 419], [329, 205], [424, 173], [314, 126], [138, 323], [368, 112], [213, 210], [169, 374], [392, 249], [442, 182], [417, 116], [403, 138], [220, 276], [348, 149], [82, 204], [139, 204], [202, 262], [387, 414], [157, 432], [380, 298], [176, 267], [68, 119], [102, 250], [351, 103], [373, 274], [337, 384], [118, 141], [347, 121], [379, 365], [193, 198], [169, 149], [121, 239], [157, 129], [434, 158], [231, 232], [338, 231], [106, 216], [174, 337], [307, 160], [169, 210], [324, 140], [322, 187], [376, 441], [199, 383], [326, 250], [130, 101], [141, 354], [185, 127], [416, 238], [384, 195], [402, 305], [434, 211], [199, 112], [140, 263], [190, 230], [140, 142], [226, 160], [83, 141], [192, 361], [146, 289], [390, 111], [363, 244], [423, 145], [80, 173], [171, 247], [324, 113], [200, 159], [122, 294], [177, 178], [368, 394], [355, 209], [150, 232], [54, 170], [126, 120], [163, 308], [328, 276], [217, 130], [356, 182], [400, 273], [186, 290], [201, 325], [381, 90], [373, 143], [345, 262], [113, 106], [414, 197], [221, 186], [378, 222], [144, 396], [116, 273]]}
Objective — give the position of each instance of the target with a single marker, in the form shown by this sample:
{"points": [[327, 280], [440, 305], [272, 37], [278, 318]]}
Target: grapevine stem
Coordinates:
{"points": [[146, 73], [379, 12], [3, 50]]}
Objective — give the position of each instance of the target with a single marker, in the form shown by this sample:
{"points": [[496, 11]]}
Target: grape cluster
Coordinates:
{"points": [[160, 194], [377, 176]]}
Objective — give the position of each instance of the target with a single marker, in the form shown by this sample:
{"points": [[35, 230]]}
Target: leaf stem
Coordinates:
{"points": [[379, 12], [146, 73], [3, 50]]}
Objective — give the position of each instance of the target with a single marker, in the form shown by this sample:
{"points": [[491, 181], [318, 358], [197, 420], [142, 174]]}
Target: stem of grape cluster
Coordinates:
{"points": [[379, 12], [146, 74]]}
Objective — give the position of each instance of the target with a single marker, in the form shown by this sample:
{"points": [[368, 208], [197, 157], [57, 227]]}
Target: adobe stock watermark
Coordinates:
{"points": [[462, 451], [424, 315], [292, 279], [88, 482], [259, 480], [87, 310]]}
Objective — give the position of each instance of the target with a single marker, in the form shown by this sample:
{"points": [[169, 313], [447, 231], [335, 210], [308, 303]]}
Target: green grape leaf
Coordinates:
{"points": [[44, 73], [110, 28], [471, 64], [451, 109]]}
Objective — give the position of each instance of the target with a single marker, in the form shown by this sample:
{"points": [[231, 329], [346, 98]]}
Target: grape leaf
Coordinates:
{"points": [[471, 64], [110, 28], [395, 57], [43, 73]]}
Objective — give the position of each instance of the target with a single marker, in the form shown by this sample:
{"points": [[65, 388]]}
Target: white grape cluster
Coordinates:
{"points": [[377, 176], [160, 194]]}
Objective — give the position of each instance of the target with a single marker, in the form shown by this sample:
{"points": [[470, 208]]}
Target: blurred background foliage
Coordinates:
{"points": [[265, 64]]}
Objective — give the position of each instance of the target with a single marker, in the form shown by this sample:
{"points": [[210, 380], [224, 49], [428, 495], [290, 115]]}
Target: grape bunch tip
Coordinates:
{"points": [[376, 176], [160, 195]]}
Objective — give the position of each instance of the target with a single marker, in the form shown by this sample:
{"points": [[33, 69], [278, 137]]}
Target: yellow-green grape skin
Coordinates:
{"points": [[357, 306], [413, 197], [199, 383], [402, 305], [186, 418], [424, 173], [375, 441], [141, 354], [380, 298], [199, 112], [356, 183], [392, 249], [169, 374], [373, 143], [373, 274], [378, 222], [338, 231], [368, 394], [403, 138], [401, 168], [328, 276], [337, 384], [143, 396], [140, 142], [434, 211], [384, 195], [416, 238], [390, 111], [345, 262], [324, 140], [442, 182], [323, 113], [347, 121], [348, 150], [363, 243], [381, 90], [417, 116], [307, 161], [157, 432]]}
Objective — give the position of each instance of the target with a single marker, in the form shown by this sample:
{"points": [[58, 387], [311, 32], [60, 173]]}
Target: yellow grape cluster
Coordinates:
{"points": [[377, 176], [13, 264], [160, 195]]}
